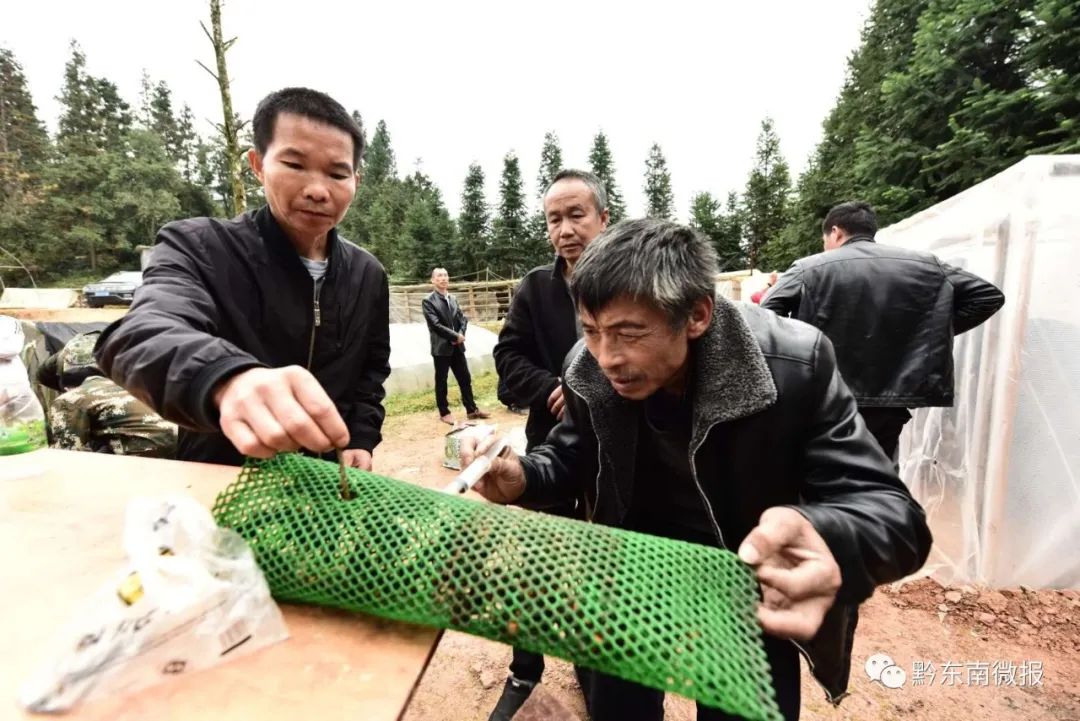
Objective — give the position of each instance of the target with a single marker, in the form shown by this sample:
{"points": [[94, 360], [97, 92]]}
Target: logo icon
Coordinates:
{"points": [[881, 668]]}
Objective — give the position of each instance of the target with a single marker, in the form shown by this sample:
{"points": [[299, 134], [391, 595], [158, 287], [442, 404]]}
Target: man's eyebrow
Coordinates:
{"points": [[619, 325]]}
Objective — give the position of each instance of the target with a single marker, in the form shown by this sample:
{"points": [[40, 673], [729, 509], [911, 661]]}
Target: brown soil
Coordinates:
{"points": [[466, 674]]}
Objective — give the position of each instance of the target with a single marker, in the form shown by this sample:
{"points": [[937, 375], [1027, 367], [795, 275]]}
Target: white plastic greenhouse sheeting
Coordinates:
{"points": [[411, 367], [999, 473]]}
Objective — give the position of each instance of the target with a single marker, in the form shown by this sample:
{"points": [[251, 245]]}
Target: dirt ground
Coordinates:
{"points": [[955, 630]]}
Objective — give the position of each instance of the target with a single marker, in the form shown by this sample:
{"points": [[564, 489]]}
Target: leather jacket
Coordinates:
{"points": [[773, 424], [891, 314]]}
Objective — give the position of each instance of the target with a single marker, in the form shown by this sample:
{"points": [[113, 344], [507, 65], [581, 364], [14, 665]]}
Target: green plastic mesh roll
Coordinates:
{"points": [[670, 615]]}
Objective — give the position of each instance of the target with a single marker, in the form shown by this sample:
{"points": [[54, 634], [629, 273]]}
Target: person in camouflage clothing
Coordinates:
{"points": [[94, 414]]}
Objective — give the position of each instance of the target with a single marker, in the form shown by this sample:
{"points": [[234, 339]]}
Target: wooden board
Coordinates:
{"points": [[61, 522]]}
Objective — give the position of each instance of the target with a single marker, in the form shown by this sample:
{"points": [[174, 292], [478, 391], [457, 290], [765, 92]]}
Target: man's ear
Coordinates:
{"points": [[700, 318], [255, 160]]}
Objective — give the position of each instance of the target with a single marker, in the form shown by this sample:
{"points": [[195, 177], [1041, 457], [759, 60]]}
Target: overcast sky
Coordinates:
{"points": [[467, 81]]}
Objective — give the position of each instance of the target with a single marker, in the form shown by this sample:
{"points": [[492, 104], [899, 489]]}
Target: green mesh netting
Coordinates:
{"points": [[670, 615]]}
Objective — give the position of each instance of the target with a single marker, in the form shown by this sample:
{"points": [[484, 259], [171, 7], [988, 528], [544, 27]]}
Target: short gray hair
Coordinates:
{"points": [[669, 266], [595, 185]]}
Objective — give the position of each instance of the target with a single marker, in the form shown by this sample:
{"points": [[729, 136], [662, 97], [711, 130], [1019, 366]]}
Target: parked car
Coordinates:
{"points": [[117, 289]]}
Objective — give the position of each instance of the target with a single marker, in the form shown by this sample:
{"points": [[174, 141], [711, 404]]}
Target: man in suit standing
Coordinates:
{"points": [[446, 324]]}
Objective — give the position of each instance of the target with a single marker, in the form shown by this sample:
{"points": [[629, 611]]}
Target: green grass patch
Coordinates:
{"points": [[76, 279], [485, 390]]}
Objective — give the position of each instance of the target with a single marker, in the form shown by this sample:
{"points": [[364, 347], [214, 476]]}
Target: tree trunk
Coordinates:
{"points": [[3, 125], [229, 128]]}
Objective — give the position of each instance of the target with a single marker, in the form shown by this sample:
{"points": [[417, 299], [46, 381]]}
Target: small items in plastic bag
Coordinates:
{"points": [[190, 598], [22, 420]]}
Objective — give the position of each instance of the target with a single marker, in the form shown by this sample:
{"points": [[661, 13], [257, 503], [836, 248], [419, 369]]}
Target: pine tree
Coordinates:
{"points": [[105, 204], [765, 202], [380, 164], [509, 252], [959, 111], [427, 234], [706, 218], [146, 93], [1052, 59], [359, 120], [164, 123], [730, 248], [156, 115], [603, 166], [377, 216], [539, 251], [722, 229], [857, 123], [95, 118], [187, 143], [658, 195], [550, 163], [21, 133], [474, 222], [191, 153], [24, 150]]}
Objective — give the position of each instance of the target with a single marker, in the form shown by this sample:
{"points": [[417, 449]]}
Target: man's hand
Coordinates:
{"points": [[358, 458], [460, 339], [266, 410], [505, 480], [799, 576], [556, 403]]}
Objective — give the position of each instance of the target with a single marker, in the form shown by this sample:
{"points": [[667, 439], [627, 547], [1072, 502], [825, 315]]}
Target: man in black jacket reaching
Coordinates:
{"points": [[540, 329], [891, 314], [268, 332], [691, 417]]}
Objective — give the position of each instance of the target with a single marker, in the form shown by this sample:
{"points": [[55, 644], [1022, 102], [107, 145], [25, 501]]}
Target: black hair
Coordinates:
{"points": [[669, 266], [307, 103], [854, 218]]}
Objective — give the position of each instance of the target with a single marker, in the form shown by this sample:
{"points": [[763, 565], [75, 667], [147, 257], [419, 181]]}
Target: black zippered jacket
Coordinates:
{"points": [[223, 296], [538, 332]]}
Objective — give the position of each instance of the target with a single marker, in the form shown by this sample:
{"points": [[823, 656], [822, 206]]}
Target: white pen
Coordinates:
{"points": [[476, 470]]}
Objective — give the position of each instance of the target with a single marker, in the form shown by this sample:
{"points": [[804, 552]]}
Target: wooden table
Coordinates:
{"points": [[61, 521]]}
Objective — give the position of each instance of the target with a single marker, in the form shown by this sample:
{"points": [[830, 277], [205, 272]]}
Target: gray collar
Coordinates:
{"points": [[731, 380]]}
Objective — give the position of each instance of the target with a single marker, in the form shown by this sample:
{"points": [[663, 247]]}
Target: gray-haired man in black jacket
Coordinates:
{"points": [[540, 329], [695, 418]]}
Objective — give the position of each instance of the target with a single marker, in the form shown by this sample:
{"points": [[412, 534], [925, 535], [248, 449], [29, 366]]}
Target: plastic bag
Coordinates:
{"points": [[191, 597], [22, 420]]}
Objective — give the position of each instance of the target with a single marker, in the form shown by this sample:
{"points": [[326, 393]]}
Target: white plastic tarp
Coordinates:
{"points": [[999, 473]]}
